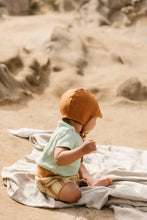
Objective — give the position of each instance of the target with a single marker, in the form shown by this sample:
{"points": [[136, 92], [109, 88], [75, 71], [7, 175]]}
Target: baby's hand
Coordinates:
{"points": [[88, 146]]}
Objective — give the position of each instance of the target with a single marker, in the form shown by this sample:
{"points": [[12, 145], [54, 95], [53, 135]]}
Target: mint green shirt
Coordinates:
{"points": [[65, 135]]}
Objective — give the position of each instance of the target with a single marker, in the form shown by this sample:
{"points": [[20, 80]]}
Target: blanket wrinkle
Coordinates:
{"points": [[127, 196]]}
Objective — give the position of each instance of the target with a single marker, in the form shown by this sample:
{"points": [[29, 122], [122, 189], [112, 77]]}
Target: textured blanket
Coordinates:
{"points": [[127, 196]]}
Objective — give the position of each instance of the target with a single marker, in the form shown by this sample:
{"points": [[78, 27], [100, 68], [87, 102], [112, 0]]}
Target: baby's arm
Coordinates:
{"points": [[64, 156]]}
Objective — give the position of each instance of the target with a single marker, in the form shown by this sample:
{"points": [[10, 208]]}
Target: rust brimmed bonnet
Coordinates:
{"points": [[79, 105]]}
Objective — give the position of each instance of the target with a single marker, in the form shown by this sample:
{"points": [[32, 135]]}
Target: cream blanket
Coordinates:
{"points": [[126, 166]]}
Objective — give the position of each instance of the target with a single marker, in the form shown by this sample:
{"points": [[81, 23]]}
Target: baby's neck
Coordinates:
{"points": [[78, 127]]}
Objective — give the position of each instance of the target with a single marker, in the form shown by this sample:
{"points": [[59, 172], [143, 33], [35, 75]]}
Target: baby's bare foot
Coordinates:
{"points": [[100, 182]]}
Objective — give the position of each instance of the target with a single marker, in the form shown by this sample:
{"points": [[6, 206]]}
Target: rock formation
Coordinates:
{"points": [[97, 12], [68, 53], [104, 12], [10, 89], [133, 89], [66, 49], [20, 7]]}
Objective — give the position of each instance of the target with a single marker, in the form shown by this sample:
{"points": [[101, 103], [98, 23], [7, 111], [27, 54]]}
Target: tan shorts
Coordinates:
{"points": [[51, 183]]}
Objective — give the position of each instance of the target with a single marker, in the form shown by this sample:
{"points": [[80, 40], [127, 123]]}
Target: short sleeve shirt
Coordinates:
{"points": [[65, 135]]}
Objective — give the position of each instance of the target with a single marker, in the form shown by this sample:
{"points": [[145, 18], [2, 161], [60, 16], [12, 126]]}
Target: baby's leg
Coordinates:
{"points": [[84, 174], [70, 193], [100, 182]]}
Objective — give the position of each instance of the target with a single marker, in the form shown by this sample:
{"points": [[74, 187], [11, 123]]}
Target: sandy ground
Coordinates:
{"points": [[121, 126], [124, 122]]}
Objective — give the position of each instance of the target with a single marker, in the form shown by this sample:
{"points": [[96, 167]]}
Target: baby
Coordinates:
{"points": [[60, 170]]}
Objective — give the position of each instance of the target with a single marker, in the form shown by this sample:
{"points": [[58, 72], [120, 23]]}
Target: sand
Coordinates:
{"points": [[40, 66]]}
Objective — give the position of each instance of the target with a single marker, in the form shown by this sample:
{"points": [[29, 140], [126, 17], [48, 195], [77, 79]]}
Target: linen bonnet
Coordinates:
{"points": [[79, 105]]}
